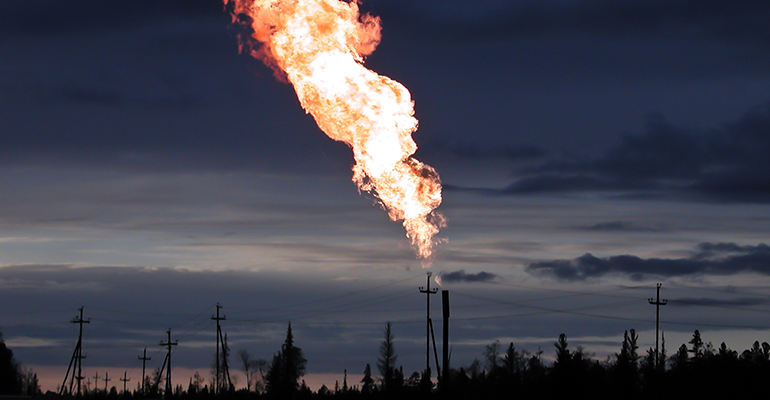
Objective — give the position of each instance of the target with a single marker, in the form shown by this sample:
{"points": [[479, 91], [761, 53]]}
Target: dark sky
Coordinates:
{"points": [[588, 149]]}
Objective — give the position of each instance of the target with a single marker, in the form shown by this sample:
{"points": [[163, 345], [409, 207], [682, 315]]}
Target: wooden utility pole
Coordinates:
{"points": [[445, 344], [144, 359], [124, 379], [225, 369], [106, 379], [428, 291], [657, 303], [75, 361], [96, 381], [169, 387]]}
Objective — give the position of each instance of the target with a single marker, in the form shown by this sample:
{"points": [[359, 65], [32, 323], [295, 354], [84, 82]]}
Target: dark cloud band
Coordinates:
{"points": [[462, 276], [710, 258]]}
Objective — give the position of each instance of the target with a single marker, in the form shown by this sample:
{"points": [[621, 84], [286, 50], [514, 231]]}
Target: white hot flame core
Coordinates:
{"points": [[319, 45]]}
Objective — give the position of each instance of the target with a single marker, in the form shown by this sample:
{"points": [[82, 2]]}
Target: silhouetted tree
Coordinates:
{"points": [[287, 368], [367, 383], [196, 384], [562, 371], [413, 381], [563, 356], [398, 379], [535, 365], [29, 383], [648, 372], [726, 353], [628, 350], [506, 377], [345, 387], [625, 370], [758, 354], [512, 361], [304, 390], [697, 345], [492, 356], [573, 371], [387, 360], [474, 369], [10, 377], [156, 382], [324, 391], [679, 360], [254, 370]]}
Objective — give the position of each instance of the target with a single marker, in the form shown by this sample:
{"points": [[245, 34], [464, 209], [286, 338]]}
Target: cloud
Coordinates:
{"points": [[480, 149], [461, 276], [51, 17], [26, 239], [743, 21], [707, 301], [328, 316], [729, 248], [621, 226], [727, 164], [710, 259], [120, 108], [24, 341], [146, 86]]}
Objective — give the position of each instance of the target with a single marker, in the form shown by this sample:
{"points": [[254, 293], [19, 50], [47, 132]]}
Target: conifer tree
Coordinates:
{"points": [[511, 360], [367, 381], [287, 368], [387, 360], [563, 356], [697, 345]]}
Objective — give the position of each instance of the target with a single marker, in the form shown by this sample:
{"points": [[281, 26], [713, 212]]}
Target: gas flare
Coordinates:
{"points": [[319, 47]]}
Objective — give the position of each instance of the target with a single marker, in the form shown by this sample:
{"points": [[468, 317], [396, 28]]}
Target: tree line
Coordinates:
{"points": [[15, 379], [695, 369]]}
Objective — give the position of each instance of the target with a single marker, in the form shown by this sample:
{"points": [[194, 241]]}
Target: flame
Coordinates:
{"points": [[319, 47]]}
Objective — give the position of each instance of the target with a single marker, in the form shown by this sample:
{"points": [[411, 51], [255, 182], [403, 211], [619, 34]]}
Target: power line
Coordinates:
{"points": [[330, 298], [36, 312], [551, 310], [728, 290], [706, 304], [332, 309], [143, 313], [572, 293]]}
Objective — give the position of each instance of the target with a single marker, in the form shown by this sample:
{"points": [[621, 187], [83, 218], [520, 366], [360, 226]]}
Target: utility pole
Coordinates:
{"points": [[428, 291], [144, 359], [96, 381], [75, 361], [169, 388], [124, 379], [220, 383], [106, 379], [657, 303], [445, 361]]}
